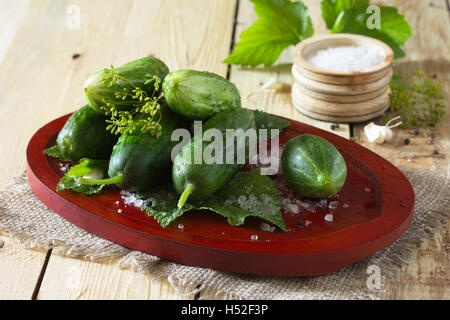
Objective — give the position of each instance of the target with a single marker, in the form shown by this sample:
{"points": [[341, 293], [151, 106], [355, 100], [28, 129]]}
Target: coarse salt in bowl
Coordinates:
{"points": [[343, 54], [347, 58]]}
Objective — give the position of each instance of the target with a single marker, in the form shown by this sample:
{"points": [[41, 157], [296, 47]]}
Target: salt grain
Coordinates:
{"points": [[307, 223], [254, 237], [347, 58], [345, 205], [180, 226], [293, 208], [333, 205], [130, 199], [328, 217], [266, 227]]}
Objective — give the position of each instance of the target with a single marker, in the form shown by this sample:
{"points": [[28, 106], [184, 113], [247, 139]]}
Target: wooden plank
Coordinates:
{"points": [[74, 279], [11, 15], [40, 81], [19, 268], [277, 100], [428, 50]]}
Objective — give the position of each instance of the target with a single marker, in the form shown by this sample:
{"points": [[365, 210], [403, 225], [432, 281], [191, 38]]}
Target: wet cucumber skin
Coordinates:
{"points": [[98, 93], [84, 136], [208, 178], [313, 167], [143, 160], [198, 95]]}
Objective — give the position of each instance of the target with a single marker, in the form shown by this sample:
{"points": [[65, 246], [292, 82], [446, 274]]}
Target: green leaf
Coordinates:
{"points": [[86, 167], [247, 194], [161, 203], [266, 121], [55, 153], [280, 24], [332, 8], [350, 16], [394, 25]]}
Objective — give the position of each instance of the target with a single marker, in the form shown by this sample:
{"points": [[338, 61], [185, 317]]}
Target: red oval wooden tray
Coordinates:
{"points": [[378, 209]]}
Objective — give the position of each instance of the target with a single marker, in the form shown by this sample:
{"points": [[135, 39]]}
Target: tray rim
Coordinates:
{"points": [[369, 241]]}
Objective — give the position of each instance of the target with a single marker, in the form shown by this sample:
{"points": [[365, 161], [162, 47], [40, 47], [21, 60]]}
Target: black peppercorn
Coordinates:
{"points": [[407, 141], [76, 56], [300, 222], [334, 126]]}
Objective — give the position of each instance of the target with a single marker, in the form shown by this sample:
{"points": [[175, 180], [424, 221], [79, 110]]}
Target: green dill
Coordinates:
{"points": [[417, 100], [143, 114]]}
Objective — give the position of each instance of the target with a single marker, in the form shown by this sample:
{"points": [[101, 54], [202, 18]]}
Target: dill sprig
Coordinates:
{"points": [[143, 114], [418, 100]]}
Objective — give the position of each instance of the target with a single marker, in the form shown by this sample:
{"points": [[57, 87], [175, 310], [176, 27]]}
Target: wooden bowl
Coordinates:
{"points": [[341, 89], [340, 96], [339, 112]]}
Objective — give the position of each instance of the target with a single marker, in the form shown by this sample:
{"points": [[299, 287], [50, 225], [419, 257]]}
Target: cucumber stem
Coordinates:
{"points": [[186, 193], [113, 180]]}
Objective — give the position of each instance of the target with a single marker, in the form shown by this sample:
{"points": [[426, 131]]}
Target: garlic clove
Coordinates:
{"points": [[377, 134]]}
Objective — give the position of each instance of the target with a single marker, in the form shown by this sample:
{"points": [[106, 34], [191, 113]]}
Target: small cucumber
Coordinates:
{"points": [[199, 94], [199, 181], [84, 136], [313, 167], [99, 93], [140, 161]]}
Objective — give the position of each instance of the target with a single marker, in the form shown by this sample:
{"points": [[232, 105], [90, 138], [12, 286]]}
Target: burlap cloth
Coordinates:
{"points": [[23, 216]]}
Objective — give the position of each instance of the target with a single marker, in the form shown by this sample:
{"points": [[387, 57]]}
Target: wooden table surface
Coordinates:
{"points": [[40, 80]]}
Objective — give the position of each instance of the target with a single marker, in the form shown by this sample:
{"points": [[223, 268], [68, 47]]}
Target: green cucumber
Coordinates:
{"points": [[84, 136], [99, 93], [199, 94], [199, 181], [140, 161], [313, 167]]}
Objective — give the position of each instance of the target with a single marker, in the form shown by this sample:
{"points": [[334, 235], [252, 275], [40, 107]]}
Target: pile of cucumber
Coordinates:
{"points": [[141, 162]]}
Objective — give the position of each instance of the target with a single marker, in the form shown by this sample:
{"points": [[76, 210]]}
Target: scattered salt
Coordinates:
{"points": [[328, 217], [333, 205], [307, 223], [347, 58], [293, 208], [322, 203], [254, 237], [367, 190], [119, 210], [130, 199], [266, 227]]}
